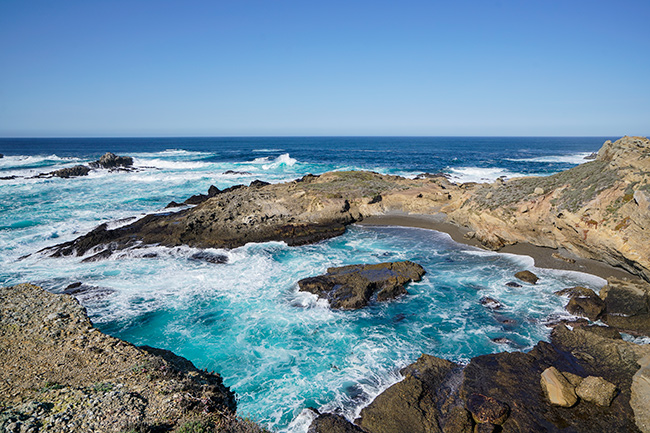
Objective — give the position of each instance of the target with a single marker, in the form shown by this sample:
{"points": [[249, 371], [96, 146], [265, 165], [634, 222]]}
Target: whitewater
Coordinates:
{"points": [[280, 350]]}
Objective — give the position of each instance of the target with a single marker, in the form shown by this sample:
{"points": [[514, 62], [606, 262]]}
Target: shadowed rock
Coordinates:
{"points": [[352, 287], [584, 302], [627, 305]]}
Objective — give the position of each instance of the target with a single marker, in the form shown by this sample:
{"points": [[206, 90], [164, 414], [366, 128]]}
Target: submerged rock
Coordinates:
{"points": [[209, 257], [527, 277], [352, 287], [111, 161]]}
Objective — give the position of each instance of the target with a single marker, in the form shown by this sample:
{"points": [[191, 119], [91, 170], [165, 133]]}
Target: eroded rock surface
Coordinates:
{"points": [[506, 389], [60, 374], [627, 305], [352, 287]]}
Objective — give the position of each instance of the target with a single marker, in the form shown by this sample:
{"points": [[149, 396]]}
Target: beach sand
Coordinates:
{"points": [[543, 256]]}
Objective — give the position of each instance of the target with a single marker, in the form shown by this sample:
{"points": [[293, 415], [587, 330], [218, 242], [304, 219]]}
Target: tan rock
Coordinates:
{"points": [[557, 388], [596, 390], [640, 398], [539, 191]]}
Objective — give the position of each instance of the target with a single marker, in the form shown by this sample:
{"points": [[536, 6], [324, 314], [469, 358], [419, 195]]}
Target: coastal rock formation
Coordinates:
{"points": [[504, 391], [111, 161], [583, 302], [58, 373], [598, 210], [352, 287], [627, 304], [304, 211], [527, 277], [77, 170]]}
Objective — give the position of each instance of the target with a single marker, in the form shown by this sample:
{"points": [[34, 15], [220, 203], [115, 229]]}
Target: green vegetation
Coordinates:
{"points": [[222, 424], [102, 387], [581, 184], [353, 184], [49, 386]]}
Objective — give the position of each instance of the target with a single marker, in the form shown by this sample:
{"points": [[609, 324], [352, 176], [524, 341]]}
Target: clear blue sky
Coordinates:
{"points": [[278, 67]]}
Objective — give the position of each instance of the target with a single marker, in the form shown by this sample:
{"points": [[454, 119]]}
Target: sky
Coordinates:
{"points": [[353, 67]]}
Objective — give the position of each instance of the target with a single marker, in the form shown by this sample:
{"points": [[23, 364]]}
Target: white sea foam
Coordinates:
{"points": [[166, 164], [283, 160], [478, 174], [266, 150], [575, 158]]}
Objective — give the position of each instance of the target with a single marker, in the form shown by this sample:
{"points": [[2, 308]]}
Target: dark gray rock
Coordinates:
{"points": [[77, 170], [209, 257], [352, 287], [111, 161]]}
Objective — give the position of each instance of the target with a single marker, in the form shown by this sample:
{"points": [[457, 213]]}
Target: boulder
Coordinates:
{"points": [[352, 287], [557, 388], [640, 398], [205, 256], [584, 302], [627, 305], [513, 284], [527, 277], [596, 390], [110, 160]]}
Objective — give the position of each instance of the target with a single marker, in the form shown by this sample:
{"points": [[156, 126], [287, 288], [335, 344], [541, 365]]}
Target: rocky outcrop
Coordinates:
{"points": [[58, 373], [583, 302], [352, 287], [77, 170], [509, 392], [305, 211], [111, 161], [597, 210], [640, 395]]}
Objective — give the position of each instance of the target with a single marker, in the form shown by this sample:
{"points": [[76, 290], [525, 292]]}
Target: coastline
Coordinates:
{"points": [[543, 256]]}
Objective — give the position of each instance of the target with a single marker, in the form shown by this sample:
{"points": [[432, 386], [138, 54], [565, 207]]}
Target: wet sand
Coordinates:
{"points": [[543, 256]]}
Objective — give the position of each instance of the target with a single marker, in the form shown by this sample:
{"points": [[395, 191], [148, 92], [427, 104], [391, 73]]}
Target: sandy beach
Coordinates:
{"points": [[543, 256]]}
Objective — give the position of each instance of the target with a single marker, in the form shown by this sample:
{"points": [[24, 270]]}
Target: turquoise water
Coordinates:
{"points": [[280, 350]]}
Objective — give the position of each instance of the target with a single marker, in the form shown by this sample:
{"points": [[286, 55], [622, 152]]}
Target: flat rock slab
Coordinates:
{"points": [[352, 287]]}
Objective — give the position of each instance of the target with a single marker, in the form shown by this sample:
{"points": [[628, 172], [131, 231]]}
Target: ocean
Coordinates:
{"points": [[281, 350]]}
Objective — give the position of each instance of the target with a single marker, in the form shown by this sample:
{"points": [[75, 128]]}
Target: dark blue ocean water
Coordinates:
{"points": [[279, 349], [424, 154]]}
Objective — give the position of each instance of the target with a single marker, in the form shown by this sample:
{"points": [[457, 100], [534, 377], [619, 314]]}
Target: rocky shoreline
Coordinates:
{"points": [[598, 211], [58, 373]]}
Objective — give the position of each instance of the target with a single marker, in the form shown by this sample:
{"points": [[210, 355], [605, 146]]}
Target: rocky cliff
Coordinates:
{"points": [[598, 210], [60, 374]]}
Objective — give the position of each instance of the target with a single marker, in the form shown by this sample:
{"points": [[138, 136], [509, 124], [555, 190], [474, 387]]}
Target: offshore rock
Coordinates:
{"points": [[628, 305], [111, 161], [352, 287], [60, 373], [527, 277], [77, 170]]}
